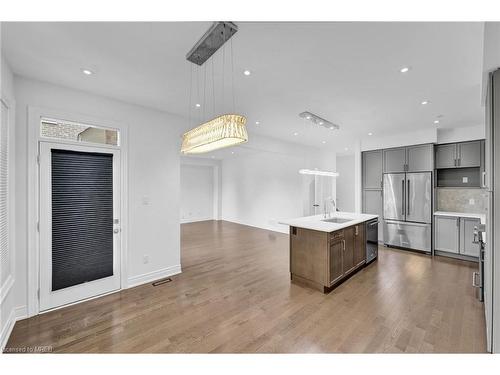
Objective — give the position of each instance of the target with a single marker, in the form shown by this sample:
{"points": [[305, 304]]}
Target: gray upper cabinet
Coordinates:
{"points": [[469, 154], [420, 158], [467, 247], [446, 156], [459, 155], [372, 169], [395, 160], [446, 234]]}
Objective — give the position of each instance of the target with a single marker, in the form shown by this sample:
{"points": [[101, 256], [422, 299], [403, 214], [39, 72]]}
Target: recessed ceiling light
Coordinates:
{"points": [[247, 72], [436, 121], [323, 142], [308, 117], [425, 102], [321, 122], [370, 133], [197, 105], [404, 69], [232, 152], [331, 127], [257, 122], [295, 133], [87, 72]]}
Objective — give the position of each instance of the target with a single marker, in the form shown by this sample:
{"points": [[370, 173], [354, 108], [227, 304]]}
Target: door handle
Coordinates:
{"points": [[408, 197], [475, 277], [404, 201]]}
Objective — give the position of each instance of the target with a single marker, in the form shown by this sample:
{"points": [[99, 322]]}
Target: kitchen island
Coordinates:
{"points": [[324, 251]]}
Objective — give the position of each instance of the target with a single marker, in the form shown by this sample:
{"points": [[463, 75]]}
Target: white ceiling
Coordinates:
{"points": [[347, 73]]}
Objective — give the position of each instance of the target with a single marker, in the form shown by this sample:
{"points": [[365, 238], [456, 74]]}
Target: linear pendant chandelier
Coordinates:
{"points": [[224, 130]]}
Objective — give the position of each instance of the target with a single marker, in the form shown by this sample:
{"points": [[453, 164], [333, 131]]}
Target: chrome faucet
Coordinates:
{"points": [[326, 205]]}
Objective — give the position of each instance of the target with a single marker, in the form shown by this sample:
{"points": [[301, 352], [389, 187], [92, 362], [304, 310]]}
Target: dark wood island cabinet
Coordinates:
{"points": [[323, 260]]}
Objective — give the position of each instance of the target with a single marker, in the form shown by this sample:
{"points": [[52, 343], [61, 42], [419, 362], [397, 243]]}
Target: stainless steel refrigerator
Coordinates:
{"points": [[408, 210]]}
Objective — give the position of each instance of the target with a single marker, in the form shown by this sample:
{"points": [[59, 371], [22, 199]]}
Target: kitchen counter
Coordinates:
{"points": [[482, 217], [316, 222]]}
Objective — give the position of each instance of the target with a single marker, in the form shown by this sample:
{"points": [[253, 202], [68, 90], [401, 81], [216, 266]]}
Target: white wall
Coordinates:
{"points": [[466, 133], [153, 173], [197, 193], [261, 183], [346, 183], [427, 135], [8, 311]]}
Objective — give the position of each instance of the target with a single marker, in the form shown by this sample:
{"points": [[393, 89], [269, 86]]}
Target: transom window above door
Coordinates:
{"points": [[78, 132]]}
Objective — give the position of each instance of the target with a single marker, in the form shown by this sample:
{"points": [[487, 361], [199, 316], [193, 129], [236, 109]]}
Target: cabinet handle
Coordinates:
{"points": [[356, 230], [343, 245], [484, 179]]}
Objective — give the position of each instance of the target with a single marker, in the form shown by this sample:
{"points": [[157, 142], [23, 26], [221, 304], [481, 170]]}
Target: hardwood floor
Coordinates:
{"points": [[235, 295]]}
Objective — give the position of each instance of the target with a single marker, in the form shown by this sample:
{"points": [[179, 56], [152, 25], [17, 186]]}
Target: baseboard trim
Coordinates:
{"points": [[21, 312], [152, 276], [269, 228], [7, 330], [186, 221]]}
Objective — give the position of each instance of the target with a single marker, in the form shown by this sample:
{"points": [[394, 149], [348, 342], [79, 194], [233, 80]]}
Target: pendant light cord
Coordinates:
{"points": [[232, 74], [190, 92]]}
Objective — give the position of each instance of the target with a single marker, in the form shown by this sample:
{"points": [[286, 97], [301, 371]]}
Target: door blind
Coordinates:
{"points": [[82, 217]]}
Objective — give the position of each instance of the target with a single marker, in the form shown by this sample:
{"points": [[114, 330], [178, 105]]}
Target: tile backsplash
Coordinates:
{"points": [[461, 200]]}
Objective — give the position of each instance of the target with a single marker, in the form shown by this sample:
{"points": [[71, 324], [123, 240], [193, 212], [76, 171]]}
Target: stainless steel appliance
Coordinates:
{"points": [[408, 210], [371, 240], [478, 277]]}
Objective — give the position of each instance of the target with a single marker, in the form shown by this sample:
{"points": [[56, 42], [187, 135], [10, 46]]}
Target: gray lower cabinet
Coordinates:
{"points": [[447, 234], [372, 204], [467, 247], [372, 169], [455, 235], [395, 160]]}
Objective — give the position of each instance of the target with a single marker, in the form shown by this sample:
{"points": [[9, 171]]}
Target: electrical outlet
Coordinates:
{"points": [[465, 180], [145, 259], [471, 201]]}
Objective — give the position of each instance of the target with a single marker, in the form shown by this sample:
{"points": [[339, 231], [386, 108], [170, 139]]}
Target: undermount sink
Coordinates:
{"points": [[337, 220]]}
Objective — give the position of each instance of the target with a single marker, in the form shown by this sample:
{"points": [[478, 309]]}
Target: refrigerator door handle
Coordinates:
{"points": [[408, 197], [403, 196]]}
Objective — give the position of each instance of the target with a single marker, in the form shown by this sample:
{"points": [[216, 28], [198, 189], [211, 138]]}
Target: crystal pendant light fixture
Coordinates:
{"points": [[223, 130]]}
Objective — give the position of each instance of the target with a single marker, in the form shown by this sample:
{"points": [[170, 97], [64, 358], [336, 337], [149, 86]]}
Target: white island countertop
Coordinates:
{"points": [[316, 222], [482, 217]]}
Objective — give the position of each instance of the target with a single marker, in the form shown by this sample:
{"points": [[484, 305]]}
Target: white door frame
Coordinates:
{"points": [[35, 115]]}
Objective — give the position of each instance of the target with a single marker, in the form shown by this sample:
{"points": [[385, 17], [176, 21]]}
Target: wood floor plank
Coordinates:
{"points": [[235, 296]]}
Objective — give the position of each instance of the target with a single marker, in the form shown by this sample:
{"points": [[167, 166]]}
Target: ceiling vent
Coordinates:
{"points": [[315, 119], [218, 34]]}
